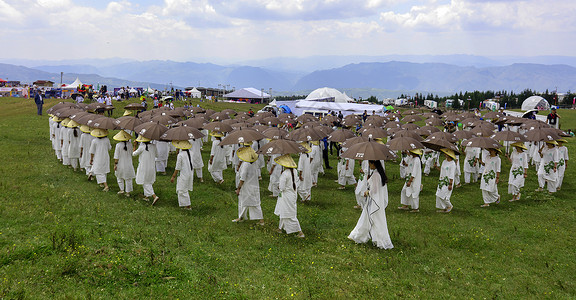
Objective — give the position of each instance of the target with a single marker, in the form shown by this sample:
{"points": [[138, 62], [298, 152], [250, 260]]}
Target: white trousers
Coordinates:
{"points": [[88, 170], [291, 225], [198, 172], [513, 190], [442, 203], [551, 184], [161, 165], [183, 198], [217, 176], [411, 201], [305, 194], [345, 180], [59, 154], [467, 176], [74, 163], [125, 185], [255, 212], [490, 197], [101, 178], [65, 160], [148, 189]]}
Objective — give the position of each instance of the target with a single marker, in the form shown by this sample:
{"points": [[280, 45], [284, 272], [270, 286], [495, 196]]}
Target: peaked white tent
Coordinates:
{"points": [[535, 102], [74, 85], [327, 94], [194, 93]]}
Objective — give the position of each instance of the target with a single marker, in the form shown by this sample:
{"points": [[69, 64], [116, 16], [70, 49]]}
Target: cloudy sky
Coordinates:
{"points": [[236, 30]]}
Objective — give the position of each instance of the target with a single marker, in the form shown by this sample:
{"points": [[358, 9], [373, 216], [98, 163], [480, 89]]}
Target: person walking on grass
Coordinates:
{"points": [[123, 167], [410, 196], [446, 182], [39, 100], [562, 162], [217, 162], [548, 167], [185, 171], [74, 144], [305, 174], [286, 207], [100, 157], [146, 171], [345, 170], [85, 141], [372, 224], [518, 171], [197, 162], [248, 190], [490, 177]]}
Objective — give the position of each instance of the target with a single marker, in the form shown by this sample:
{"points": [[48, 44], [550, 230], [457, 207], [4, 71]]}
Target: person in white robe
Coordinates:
{"points": [[410, 195], [74, 144], [372, 224], [305, 174], [162, 153], [548, 167], [146, 171], [446, 182], [518, 170], [286, 207], [361, 186], [260, 161], [56, 139], [197, 161], [536, 158], [184, 170], [428, 160], [217, 161], [275, 171], [403, 163], [85, 142], [490, 177], [248, 190], [51, 129], [65, 137], [100, 157], [562, 162], [316, 163], [345, 171], [123, 166]]}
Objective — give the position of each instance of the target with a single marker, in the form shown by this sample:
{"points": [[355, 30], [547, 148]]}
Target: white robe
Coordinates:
{"points": [[372, 224], [185, 181], [488, 181], [74, 143], [125, 167], [411, 194], [101, 161], [516, 175], [286, 207], [273, 185], [196, 153], [316, 163], [85, 142], [304, 189], [562, 160], [146, 171], [219, 160], [249, 196]]}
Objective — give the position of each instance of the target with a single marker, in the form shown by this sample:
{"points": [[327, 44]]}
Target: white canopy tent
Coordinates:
{"points": [[302, 106], [327, 94], [74, 85], [535, 102], [194, 93]]}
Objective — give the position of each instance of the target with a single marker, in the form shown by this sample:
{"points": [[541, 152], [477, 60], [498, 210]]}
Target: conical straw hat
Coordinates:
{"points": [[184, 145], [99, 132], [247, 154], [286, 161], [122, 136], [142, 139], [449, 152]]}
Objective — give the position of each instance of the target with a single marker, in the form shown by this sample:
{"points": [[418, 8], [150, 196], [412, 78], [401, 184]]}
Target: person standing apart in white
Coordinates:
{"points": [[410, 196], [490, 177], [123, 167], [248, 190], [146, 171], [286, 207], [184, 170], [372, 224], [217, 162]]}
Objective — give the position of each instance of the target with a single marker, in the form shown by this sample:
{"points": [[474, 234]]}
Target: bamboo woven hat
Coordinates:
{"points": [[449, 152], [519, 145], [247, 154], [561, 141], [122, 136], [184, 145], [416, 151], [216, 134], [307, 146], [142, 139], [495, 149], [99, 132], [65, 122], [85, 128], [127, 113], [56, 119], [317, 143], [72, 124], [286, 161], [552, 142]]}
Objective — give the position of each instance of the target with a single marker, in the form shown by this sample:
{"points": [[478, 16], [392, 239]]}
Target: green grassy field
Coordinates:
{"points": [[62, 237]]}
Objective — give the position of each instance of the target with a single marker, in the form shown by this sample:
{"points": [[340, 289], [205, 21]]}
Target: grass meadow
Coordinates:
{"points": [[62, 237]]}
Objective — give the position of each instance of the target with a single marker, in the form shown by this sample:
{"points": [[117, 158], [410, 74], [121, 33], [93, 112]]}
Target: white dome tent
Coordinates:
{"points": [[535, 102], [327, 94]]}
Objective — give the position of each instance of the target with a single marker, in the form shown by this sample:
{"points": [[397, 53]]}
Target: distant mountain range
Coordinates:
{"points": [[359, 76]]}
